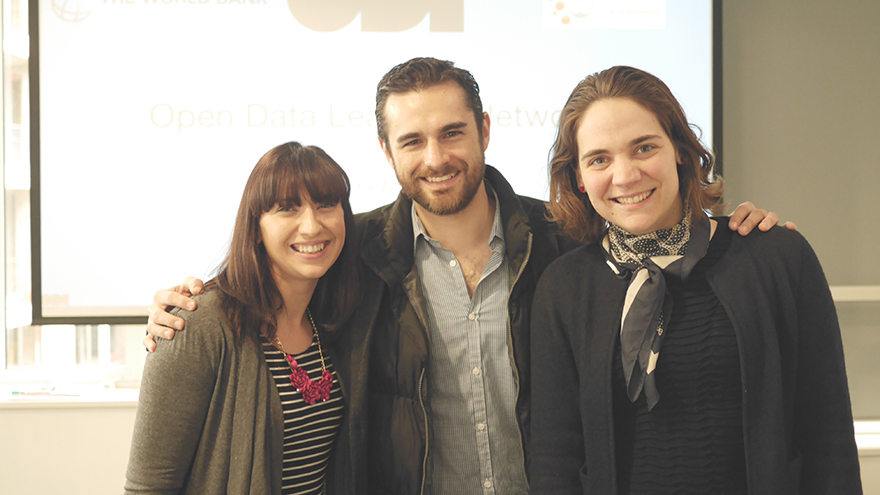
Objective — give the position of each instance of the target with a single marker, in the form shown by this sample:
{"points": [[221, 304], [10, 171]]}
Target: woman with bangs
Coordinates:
{"points": [[669, 356], [251, 381]]}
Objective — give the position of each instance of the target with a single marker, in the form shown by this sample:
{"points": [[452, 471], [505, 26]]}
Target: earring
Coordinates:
{"points": [[582, 188]]}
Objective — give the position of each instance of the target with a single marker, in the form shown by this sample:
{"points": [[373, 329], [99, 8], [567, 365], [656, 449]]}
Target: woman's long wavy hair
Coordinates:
{"points": [[250, 297], [570, 208]]}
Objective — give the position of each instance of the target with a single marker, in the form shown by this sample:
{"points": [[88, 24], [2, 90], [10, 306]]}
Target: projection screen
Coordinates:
{"points": [[150, 114]]}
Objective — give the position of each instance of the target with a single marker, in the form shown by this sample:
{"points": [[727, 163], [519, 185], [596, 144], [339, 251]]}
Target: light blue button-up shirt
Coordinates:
{"points": [[476, 445]]}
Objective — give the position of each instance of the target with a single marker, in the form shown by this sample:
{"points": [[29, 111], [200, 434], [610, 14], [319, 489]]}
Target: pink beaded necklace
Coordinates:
{"points": [[311, 390]]}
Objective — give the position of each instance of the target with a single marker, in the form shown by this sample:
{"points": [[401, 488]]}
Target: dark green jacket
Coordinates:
{"points": [[385, 353]]}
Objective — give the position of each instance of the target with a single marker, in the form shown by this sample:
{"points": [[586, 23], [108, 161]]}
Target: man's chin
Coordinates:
{"points": [[445, 209], [448, 202], [438, 205]]}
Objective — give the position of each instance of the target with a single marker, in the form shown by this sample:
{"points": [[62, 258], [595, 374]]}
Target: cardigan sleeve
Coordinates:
{"points": [[823, 423], [557, 439], [176, 391]]}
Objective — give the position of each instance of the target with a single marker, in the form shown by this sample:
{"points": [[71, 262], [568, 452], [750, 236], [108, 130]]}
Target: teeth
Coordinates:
{"points": [[441, 178], [634, 199], [310, 249]]}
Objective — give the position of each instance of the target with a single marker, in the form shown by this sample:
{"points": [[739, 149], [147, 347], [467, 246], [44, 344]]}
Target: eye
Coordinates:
{"points": [[329, 205], [410, 143], [453, 133], [286, 207], [645, 148], [599, 161]]}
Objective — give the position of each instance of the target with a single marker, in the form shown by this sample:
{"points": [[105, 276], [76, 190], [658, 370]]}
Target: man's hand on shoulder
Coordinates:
{"points": [[162, 323], [746, 217]]}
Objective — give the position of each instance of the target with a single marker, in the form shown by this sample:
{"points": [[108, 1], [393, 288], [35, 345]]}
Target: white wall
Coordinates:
{"points": [[82, 449], [73, 449]]}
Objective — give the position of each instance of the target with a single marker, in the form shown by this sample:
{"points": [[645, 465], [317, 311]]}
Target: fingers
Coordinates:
{"points": [[193, 285], [739, 214], [746, 217], [769, 221], [172, 298], [753, 220], [149, 343], [163, 324]]}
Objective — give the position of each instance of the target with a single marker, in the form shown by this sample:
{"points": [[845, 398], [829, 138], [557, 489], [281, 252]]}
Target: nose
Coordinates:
{"points": [[435, 154], [626, 172], [309, 224]]}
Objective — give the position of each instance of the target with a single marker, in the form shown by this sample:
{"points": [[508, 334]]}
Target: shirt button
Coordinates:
{"points": [[487, 484], [476, 371], [481, 426], [452, 263], [472, 317]]}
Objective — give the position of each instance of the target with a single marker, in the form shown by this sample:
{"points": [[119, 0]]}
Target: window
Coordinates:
{"points": [[49, 353]]}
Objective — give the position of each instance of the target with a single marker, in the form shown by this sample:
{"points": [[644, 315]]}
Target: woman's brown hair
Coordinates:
{"points": [[251, 298], [569, 207]]}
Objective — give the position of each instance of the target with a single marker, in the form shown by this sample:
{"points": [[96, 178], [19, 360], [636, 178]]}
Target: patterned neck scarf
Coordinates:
{"points": [[648, 306]]}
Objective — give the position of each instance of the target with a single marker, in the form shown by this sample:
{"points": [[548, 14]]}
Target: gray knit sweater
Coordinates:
{"points": [[209, 419]]}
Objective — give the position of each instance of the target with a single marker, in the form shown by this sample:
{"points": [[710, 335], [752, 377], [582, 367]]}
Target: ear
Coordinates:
{"points": [[387, 152], [580, 180], [259, 229], [485, 130]]}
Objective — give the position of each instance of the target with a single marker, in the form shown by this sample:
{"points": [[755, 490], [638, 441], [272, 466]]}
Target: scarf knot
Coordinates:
{"points": [[647, 307]]}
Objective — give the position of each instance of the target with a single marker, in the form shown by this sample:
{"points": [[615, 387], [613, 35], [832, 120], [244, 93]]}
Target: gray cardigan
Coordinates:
{"points": [[209, 418]]}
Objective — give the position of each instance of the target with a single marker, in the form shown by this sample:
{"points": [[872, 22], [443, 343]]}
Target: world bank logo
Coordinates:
{"points": [[73, 10]]}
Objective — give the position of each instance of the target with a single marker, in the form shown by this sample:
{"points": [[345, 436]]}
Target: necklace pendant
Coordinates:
{"points": [[319, 389], [311, 391]]}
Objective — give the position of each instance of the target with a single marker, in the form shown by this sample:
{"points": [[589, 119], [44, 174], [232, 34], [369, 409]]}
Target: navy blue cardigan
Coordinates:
{"points": [[798, 426]]}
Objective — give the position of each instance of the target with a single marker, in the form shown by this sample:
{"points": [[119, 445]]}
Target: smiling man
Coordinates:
{"points": [[452, 266], [435, 363]]}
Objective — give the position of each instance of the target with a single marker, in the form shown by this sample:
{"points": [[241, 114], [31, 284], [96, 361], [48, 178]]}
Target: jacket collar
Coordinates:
{"points": [[389, 252], [387, 248], [514, 220]]}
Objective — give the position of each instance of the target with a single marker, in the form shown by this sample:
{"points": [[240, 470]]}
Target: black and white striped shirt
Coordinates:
{"points": [[309, 430]]}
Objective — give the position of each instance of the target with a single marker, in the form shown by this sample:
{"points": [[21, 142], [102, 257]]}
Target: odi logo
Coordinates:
{"points": [[379, 15]]}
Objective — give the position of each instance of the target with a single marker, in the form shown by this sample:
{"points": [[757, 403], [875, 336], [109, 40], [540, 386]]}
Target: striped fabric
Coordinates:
{"points": [[309, 430], [476, 448], [692, 441]]}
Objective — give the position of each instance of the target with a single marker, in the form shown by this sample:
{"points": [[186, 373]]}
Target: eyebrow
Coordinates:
{"points": [[638, 140], [453, 126], [448, 127]]}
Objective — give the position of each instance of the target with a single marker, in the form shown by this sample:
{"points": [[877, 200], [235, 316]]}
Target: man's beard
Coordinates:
{"points": [[451, 201]]}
